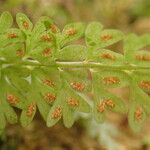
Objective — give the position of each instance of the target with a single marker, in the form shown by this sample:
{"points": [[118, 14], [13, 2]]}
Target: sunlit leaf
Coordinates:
{"points": [[105, 101], [6, 21], [71, 32], [133, 43], [12, 36], [105, 56], [112, 79], [136, 122], [24, 22], [72, 53], [97, 37]]}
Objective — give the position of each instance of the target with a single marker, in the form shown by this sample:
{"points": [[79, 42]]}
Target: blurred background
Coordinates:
{"points": [[114, 134]]}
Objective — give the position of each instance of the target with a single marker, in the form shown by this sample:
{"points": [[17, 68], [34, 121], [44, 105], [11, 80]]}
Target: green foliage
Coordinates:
{"points": [[40, 70]]}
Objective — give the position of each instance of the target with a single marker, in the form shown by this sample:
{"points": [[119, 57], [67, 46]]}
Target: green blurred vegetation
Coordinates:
{"points": [[112, 13], [141, 9]]}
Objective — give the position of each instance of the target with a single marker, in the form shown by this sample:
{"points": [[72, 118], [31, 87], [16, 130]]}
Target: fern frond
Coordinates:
{"points": [[42, 69]]}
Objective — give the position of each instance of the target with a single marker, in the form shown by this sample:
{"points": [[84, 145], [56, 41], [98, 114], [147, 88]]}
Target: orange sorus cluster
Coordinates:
{"points": [[53, 28], [138, 114], [49, 97], [107, 56], [30, 109], [106, 37], [73, 102], [25, 25], [12, 35], [77, 86], [12, 99], [20, 53], [57, 113], [71, 31], [145, 85], [47, 52], [110, 80], [105, 103], [143, 57], [48, 82], [46, 38]]}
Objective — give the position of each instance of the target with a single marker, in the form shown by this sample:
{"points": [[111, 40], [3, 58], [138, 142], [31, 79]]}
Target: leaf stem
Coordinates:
{"points": [[79, 64]]}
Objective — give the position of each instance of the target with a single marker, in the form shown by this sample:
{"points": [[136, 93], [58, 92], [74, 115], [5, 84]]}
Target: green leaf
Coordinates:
{"points": [[105, 101], [43, 32], [25, 119], [35, 99], [55, 112], [30, 109], [66, 104], [10, 114], [24, 22], [101, 38], [48, 76], [78, 80], [105, 56], [72, 96], [137, 86], [49, 24], [12, 36], [14, 97], [13, 52], [133, 43], [17, 71], [44, 53], [142, 79], [2, 120], [45, 37], [68, 116], [6, 21], [93, 31], [136, 125], [142, 58], [72, 53], [140, 104], [8, 111], [112, 79], [70, 33], [43, 108]]}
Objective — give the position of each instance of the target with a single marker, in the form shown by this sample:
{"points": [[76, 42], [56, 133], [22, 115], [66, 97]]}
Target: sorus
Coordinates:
{"points": [[30, 109], [107, 56], [48, 82], [25, 25], [53, 28], [145, 85], [106, 103], [12, 99], [143, 57], [47, 52], [105, 37], [46, 38], [71, 31], [111, 80], [57, 113], [101, 107], [138, 113], [12, 35], [49, 97], [109, 103], [73, 102], [20, 53], [77, 86]]}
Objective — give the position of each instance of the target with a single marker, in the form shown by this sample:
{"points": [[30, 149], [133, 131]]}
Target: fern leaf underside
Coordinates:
{"points": [[42, 70]]}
